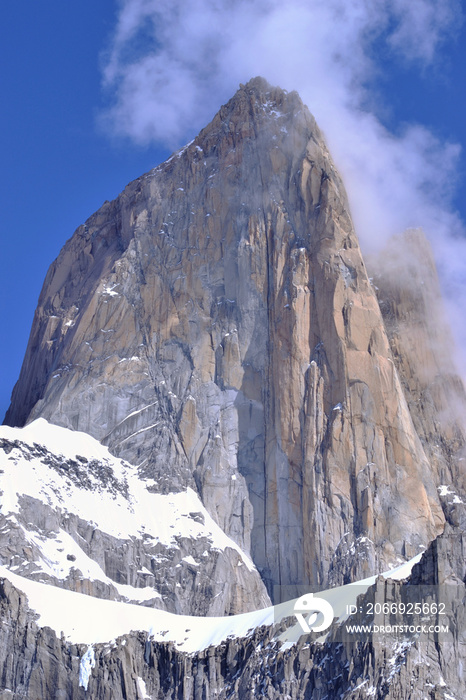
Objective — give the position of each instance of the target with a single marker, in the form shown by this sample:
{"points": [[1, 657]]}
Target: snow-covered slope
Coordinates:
{"points": [[83, 619], [75, 516]]}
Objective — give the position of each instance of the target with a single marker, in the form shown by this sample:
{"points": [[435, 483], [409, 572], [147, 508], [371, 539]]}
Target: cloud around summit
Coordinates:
{"points": [[170, 65], [169, 62]]}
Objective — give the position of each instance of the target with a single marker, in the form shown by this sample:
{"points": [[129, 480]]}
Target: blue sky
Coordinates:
{"points": [[69, 142]]}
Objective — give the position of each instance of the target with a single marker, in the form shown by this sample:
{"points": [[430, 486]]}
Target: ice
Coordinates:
{"points": [[142, 689], [443, 490], [359, 686], [85, 667], [110, 291], [139, 410], [142, 430], [190, 560], [182, 150]]}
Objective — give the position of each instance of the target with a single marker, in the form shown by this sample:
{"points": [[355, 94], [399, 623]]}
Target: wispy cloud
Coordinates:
{"points": [[172, 63]]}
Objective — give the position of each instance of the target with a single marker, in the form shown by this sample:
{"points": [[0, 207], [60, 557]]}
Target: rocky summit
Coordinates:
{"points": [[219, 407]]}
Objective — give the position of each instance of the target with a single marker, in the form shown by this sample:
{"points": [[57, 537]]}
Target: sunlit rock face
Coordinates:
{"points": [[215, 326]]}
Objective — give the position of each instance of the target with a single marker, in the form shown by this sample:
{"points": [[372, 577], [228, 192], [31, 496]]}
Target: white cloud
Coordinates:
{"points": [[422, 25], [172, 63]]}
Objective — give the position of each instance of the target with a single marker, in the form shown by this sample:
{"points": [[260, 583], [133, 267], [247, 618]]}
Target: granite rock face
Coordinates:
{"points": [[216, 327]]}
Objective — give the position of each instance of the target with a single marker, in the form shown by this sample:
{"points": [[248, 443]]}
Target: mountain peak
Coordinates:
{"points": [[262, 92], [261, 112], [265, 423], [215, 327], [258, 84]]}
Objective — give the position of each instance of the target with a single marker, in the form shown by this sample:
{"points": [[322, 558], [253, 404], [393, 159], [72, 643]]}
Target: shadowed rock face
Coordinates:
{"points": [[411, 302], [36, 663], [215, 325]]}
